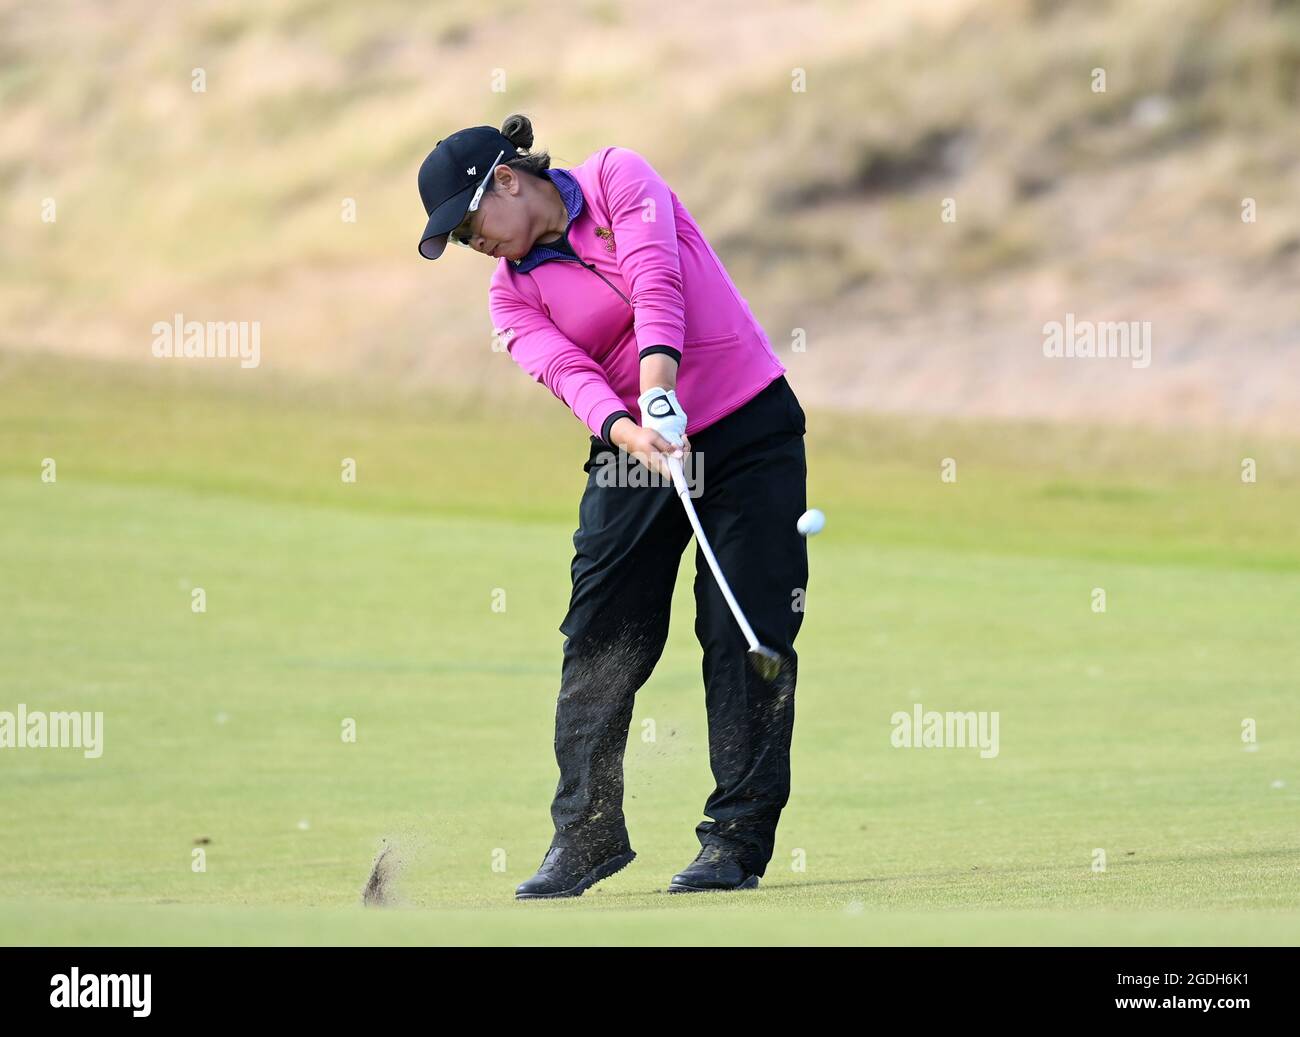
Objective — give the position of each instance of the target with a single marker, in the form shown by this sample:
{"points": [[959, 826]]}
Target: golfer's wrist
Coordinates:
{"points": [[621, 426], [658, 371]]}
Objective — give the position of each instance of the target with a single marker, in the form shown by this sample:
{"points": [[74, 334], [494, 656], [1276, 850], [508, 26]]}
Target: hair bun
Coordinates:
{"points": [[518, 129]]}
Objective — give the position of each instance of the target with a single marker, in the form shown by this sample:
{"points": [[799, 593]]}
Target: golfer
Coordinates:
{"points": [[607, 293]]}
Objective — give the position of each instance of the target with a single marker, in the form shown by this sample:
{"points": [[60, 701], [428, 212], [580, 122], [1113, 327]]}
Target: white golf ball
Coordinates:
{"points": [[811, 522]]}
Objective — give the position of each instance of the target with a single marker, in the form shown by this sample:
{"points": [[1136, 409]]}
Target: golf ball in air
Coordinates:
{"points": [[811, 522]]}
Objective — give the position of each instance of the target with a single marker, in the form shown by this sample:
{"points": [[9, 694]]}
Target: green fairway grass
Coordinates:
{"points": [[328, 601]]}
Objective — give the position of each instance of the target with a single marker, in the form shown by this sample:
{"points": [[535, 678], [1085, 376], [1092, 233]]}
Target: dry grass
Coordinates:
{"points": [[825, 204]]}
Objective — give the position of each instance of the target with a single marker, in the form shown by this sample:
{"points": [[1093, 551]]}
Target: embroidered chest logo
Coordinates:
{"points": [[608, 236]]}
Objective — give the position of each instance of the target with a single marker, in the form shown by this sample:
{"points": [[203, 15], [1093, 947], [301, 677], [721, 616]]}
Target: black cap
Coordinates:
{"points": [[450, 175]]}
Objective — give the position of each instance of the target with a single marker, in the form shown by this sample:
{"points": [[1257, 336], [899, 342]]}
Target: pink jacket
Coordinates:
{"points": [[648, 278]]}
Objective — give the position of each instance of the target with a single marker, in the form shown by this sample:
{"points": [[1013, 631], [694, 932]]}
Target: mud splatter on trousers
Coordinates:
{"points": [[751, 473]]}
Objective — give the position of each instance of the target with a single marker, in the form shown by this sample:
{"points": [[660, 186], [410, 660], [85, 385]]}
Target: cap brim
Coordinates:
{"points": [[432, 247], [442, 221]]}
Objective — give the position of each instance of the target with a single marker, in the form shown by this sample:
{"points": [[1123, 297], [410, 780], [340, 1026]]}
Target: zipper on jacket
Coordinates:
{"points": [[592, 268]]}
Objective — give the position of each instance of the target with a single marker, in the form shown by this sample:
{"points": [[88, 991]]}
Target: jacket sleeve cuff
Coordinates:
{"points": [[609, 424], [676, 354], [650, 333]]}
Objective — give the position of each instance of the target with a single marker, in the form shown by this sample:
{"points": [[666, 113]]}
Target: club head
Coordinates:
{"points": [[767, 664]]}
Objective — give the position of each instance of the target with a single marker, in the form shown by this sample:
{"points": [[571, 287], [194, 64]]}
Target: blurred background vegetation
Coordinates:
{"points": [[824, 204]]}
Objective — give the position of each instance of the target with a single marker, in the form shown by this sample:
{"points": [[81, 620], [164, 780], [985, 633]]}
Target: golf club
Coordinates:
{"points": [[766, 662]]}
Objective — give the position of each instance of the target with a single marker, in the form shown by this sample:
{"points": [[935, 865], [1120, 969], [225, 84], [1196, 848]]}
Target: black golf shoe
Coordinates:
{"points": [[567, 872], [715, 869]]}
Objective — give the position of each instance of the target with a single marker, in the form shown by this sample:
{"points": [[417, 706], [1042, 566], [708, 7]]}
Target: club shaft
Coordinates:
{"points": [[684, 492]]}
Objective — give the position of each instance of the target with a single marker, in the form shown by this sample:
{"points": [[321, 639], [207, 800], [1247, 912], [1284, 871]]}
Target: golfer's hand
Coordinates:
{"points": [[647, 445], [662, 411]]}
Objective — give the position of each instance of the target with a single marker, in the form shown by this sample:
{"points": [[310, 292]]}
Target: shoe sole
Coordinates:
{"points": [[680, 887], [601, 871]]}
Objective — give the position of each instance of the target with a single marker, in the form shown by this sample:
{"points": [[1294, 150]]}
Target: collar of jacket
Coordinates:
{"points": [[567, 184]]}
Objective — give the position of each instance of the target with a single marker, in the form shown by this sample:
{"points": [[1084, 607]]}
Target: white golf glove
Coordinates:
{"points": [[661, 412]]}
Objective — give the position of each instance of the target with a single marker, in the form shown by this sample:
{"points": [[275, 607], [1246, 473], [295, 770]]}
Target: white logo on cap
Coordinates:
{"points": [[472, 170]]}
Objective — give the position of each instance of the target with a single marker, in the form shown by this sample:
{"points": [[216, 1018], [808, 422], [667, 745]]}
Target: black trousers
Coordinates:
{"points": [[750, 472]]}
